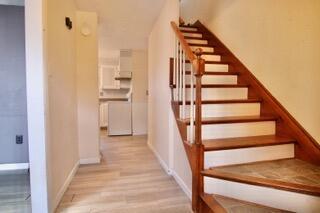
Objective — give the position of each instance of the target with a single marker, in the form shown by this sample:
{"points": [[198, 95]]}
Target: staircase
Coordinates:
{"points": [[246, 152]]}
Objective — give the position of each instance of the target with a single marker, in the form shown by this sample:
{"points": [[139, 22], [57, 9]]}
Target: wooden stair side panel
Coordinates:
{"points": [[307, 148]]}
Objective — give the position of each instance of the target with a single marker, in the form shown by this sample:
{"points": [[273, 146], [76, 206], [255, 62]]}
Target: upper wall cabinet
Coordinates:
{"points": [[125, 62]]}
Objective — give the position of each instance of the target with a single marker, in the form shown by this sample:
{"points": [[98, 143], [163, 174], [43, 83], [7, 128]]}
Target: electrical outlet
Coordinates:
{"points": [[19, 139]]}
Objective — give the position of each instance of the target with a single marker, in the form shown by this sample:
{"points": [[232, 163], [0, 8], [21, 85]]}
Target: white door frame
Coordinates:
{"points": [[36, 103]]}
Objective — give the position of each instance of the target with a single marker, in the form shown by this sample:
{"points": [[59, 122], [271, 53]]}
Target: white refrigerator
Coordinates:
{"points": [[119, 118]]}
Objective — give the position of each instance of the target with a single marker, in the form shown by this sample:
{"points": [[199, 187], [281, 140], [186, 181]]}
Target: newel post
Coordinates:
{"points": [[197, 180]]}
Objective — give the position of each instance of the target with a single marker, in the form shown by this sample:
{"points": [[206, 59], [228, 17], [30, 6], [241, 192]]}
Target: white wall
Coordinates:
{"points": [[139, 92], [160, 49], [164, 138], [87, 88], [278, 41]]}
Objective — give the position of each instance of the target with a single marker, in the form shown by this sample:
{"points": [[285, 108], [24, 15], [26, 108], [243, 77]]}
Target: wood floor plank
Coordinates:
{"points": [[129, 179]]}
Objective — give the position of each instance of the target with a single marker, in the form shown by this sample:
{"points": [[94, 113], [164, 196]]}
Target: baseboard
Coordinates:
{"points": [[12, 2], [170, 172], [182, 184], [85, 161], [14, 166], [162, 163], [65, 186]]}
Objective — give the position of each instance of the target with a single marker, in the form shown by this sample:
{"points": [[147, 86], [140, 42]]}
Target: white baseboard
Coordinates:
{"points": [[65, 186], [14, 166], [162, 163], [85, 161], [170, 172], [12, 2], [182, 184]]}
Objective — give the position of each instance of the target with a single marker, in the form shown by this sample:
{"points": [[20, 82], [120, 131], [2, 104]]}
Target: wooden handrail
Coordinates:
{"points": [[186, 48]]}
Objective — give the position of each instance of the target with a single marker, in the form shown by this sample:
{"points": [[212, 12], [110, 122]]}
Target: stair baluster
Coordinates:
{"points": [[182, 53]]}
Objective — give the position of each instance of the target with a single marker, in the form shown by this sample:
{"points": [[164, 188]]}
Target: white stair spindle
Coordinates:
{"points": [[175, 65], [180, 73], [184, 84], [191, 129]]}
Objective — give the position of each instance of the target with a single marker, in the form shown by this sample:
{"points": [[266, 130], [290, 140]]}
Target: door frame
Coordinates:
{"points": [[36, 104]]}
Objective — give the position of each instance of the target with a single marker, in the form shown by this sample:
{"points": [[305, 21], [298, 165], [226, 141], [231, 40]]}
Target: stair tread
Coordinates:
{"points": [[213, 62], [288, 174], [245, 142], [195, 38], [217, 73], [188, 26], [236, 101], [201, 45], [233, 119], [235, 205], [218, 86], [190, 31]]}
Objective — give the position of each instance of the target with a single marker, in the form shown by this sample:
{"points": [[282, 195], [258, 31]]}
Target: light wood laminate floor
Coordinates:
{"points": [[15, 192], [129, 179]]}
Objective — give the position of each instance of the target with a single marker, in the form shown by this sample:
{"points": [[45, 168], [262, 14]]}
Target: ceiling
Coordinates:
{"points": [[123, 24]]}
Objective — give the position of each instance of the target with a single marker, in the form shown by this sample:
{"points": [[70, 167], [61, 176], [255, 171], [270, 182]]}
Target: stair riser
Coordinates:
{"points": [[204, 49], [221, 93], [195, 35], [247, 155], [233, 130], [222, 110], [196, 41], [188, 29], [216, 79], [280, 199], [212, 67], [211, 57]]}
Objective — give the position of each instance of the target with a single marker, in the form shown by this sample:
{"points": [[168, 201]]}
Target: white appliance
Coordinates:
{"points": [[119, 118]]}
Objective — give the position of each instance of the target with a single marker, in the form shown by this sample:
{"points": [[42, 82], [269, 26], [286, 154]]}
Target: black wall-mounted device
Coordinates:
{"points": [[68, 23], [19, 139]]}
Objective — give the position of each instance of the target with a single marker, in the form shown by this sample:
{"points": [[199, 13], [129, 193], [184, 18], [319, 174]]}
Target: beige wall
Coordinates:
{"points": [[160, 49], [279, 42], [62, 96], [139, 92], [87, 88], [164, 137]]}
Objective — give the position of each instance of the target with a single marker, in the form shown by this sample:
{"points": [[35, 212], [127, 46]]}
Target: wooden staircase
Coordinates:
{"points": [[246, 152]]}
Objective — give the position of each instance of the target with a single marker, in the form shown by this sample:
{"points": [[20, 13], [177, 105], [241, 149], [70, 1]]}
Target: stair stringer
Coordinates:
{"points": [[182, 127], [306, 148]]}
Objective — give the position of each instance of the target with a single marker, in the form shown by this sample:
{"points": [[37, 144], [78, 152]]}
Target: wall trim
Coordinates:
{"points": [[161, 161], [182, 184], [65, 186], [14, 166], [85, 161]]}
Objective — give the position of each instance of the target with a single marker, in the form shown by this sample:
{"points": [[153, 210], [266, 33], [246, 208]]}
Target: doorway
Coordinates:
{"points": [[14, 154]]}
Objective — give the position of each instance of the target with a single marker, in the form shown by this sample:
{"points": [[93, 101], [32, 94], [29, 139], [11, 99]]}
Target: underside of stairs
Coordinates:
{"points": [[253, 156]]}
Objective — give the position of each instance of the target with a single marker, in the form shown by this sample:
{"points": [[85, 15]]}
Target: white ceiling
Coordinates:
{"points": [[123, 24]]}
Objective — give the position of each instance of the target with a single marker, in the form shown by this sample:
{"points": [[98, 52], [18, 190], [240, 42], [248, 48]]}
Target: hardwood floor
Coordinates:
{"points": [[129, 179], [15, 192]]}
